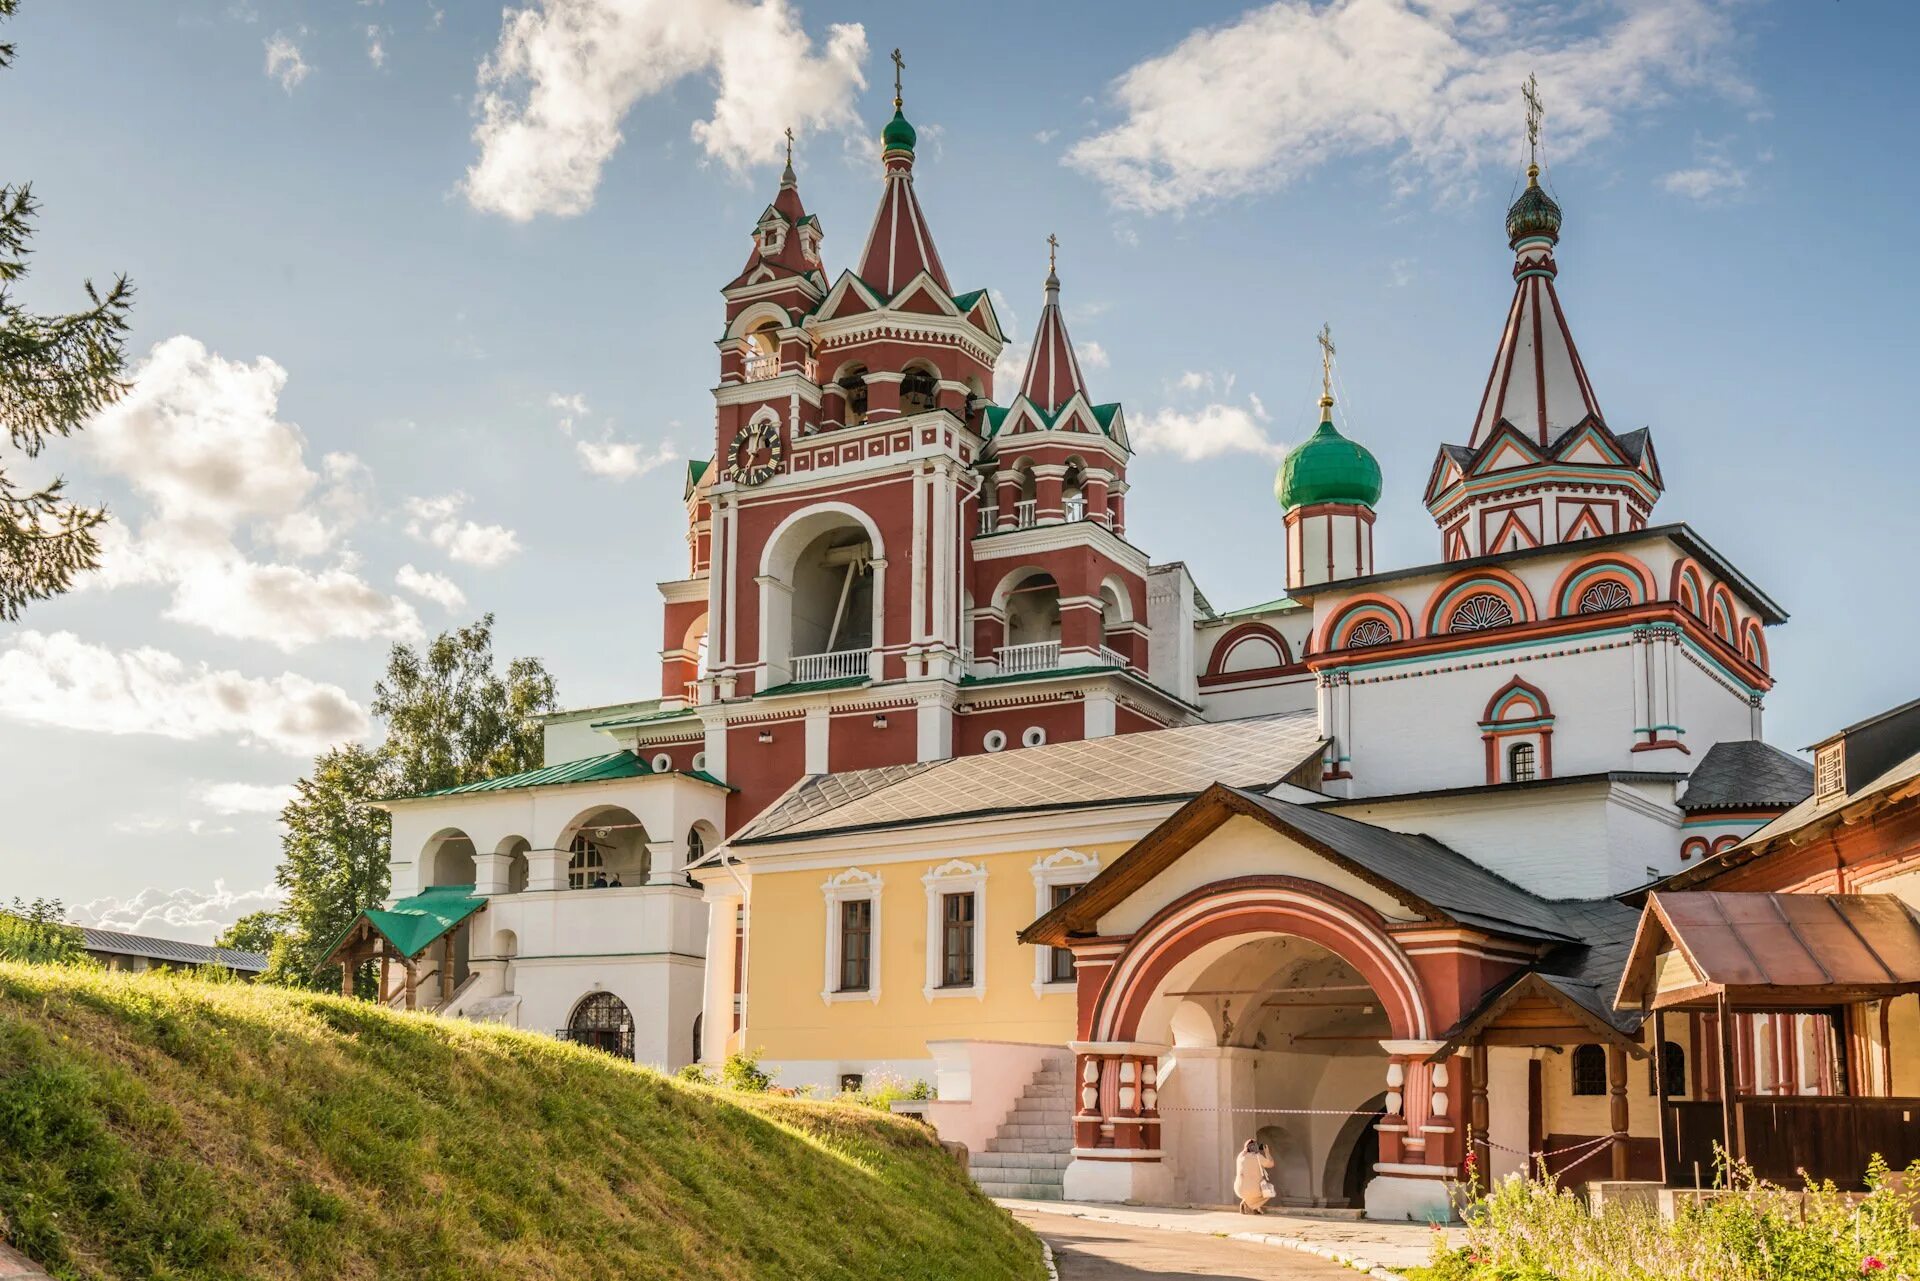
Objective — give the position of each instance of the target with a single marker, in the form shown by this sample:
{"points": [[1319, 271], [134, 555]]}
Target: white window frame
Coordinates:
{"points": [[837, 889], [955, 876], [1064, 867]]}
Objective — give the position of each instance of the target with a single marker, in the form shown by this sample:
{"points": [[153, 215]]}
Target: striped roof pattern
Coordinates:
{"points": [[1149, 765], [1537, 382], [900, 247], [1053, 370], [117, 943], [591, 769]]}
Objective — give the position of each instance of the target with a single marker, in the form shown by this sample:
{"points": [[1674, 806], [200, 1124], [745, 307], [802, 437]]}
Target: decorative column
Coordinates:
{"points": [[1006, 494], [1117, 506], [1617, 1106], [1048, 481], [547, 869], [989, 634], [1479, 1116], [666, 863], [1392, 1128], [490, 873], [1116, 1095], [883, 396], [1094, 489], [716, 1021], [1082, 629]]}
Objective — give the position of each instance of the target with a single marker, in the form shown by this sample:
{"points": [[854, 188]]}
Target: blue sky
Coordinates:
{"points": [[428, 294]]}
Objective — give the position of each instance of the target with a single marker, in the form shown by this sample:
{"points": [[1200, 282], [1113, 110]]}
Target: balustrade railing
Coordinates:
{"points": [[1025, 513], [989, 518], [1036, 656], [1112, 657], [1074, 508], [760, 366], [839, 665], [690, 692]]}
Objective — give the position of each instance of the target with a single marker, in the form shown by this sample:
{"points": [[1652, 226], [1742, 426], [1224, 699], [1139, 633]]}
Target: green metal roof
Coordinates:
{"points": [[996, 416], [593, 769], [641, 718], [696, 468], [898, 134], [1328, 468], [1267, 607], [412, 924], [808, 687]]}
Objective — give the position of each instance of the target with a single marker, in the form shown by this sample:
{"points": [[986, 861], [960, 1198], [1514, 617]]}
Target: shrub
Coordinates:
{"points": [[881, 1090], [37, 932], [1535, 1230], [742, 1071]]}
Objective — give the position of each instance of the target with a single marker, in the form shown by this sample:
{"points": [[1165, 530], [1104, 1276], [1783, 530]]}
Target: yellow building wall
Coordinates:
{"points": [[786, 1018]]}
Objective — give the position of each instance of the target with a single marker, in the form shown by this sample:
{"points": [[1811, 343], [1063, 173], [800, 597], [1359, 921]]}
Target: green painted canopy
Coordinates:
{"points": [[592, 769], [1328, 468], [898, 135], [412, 924]]}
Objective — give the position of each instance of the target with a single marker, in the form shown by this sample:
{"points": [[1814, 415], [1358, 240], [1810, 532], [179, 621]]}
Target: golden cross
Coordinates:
{"points": [[789, 146], [898, 67], [1053, 243], [1530, 92], [1326, 364]]}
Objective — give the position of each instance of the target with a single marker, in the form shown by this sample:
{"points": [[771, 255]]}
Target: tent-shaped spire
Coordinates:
{"points": [[786, 238], [900, 246], [1053, 370]]}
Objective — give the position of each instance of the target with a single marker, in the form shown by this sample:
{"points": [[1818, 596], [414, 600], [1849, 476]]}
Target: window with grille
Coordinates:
{"points": [[587, 862], [1589, 1070], [856, 944], [1477, 613], [1520, 763], [1060, 959], [1830, 770], [956, 952]]}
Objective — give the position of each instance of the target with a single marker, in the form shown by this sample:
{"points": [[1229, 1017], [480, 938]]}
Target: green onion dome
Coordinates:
{"points": [[898, 135], [1534, 213], [1328, 468]]}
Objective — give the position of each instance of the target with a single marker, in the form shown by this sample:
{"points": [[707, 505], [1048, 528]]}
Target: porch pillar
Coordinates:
{"points": [[1729, 1081], [1478, 1114], [1617, 1106], [346, 975], [1116, 1097]]}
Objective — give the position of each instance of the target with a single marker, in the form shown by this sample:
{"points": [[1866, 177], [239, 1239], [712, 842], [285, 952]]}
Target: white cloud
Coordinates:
{"points": [[1209, 432], [284, 62], [1045, 136], [194, 916], [1430, 85], [59, 680], [200, 438], [438, 588], [1713, 179], [437, 521], [246, 798], [573, 405], [376, 44], [623, 459], [566, 72], [1092, 355]]}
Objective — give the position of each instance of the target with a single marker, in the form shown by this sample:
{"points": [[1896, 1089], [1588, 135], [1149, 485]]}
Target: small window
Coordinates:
{"points": [[699, 760], [996, 740], [586, 864], [1673, 1066], [1060, 959], [1520, 763], [956, 968], [852, 1083], [1589, 1070], [1033, 736], [1830, 770], [662, 764], [856, 944], [696, 847], [917, 391]]}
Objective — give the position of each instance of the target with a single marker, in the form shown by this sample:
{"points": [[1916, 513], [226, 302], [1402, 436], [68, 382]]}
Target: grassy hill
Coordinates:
{"points": [[155, 1127]]}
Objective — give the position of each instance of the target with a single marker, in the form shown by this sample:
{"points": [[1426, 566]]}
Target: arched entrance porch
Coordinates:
{"points": [[1263, 1006]]}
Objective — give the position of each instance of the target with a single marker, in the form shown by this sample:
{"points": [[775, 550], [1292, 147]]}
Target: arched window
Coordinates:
{"points": [[696, 1038], [1673, 1066], [603, 1021], [853, 385], [917, 391], [1589, 1070], [1479, 612], [1608, 593], [1369, 632], [586, 864], [1520, 763], [696, 846]]}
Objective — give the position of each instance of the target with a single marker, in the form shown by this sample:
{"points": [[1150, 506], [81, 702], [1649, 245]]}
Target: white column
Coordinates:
{"points": [[819, 724], [490, 873], [1101, 709], [918, 556], [934, 722], [716, 1021], [666, 863], [547, 869]]}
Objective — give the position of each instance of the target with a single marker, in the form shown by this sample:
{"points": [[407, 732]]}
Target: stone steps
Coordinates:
{"points": [[1028, 1154]]}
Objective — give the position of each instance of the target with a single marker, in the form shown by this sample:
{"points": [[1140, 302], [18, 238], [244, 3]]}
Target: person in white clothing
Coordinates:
{"points": [[1250, 1181]]}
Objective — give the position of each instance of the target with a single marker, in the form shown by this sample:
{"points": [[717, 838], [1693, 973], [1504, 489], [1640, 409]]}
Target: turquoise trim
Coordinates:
{"points": [[1538, 722], [1542, 272], [1499, 587], [1686, 640], [1573, 586]]}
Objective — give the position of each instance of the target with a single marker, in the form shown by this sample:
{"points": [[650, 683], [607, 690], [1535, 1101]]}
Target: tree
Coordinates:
{"points": [[333, 863], [38, 931], [254, 932], [451, 719], [55, 371]]}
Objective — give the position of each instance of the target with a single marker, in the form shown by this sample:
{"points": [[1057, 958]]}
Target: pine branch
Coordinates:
{"points": [[44, 541]]}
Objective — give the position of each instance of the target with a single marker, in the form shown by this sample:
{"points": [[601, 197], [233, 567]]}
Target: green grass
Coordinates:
{"points": [[159, 1127]]}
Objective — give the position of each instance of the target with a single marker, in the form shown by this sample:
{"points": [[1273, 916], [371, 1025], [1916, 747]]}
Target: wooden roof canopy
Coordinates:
{"points": [[1770, 951]]}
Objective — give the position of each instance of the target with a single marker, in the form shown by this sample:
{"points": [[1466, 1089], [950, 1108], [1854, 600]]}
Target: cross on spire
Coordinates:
{"points": [[1530, 93], [1053, 244], [789, 146], [899, 65], [1326, 366]]}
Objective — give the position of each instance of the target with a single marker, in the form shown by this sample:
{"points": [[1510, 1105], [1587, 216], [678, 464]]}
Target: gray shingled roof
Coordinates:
{"points": [[171, 950], [1150, 765], [1430, 871], [1744, 774]]}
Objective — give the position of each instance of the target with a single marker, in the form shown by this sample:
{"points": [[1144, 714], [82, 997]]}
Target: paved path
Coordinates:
{"points": [[1095, 1250], [1388, 1245]]}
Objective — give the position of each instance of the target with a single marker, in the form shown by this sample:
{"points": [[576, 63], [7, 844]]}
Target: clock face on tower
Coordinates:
{"points": [[754, 457]]}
